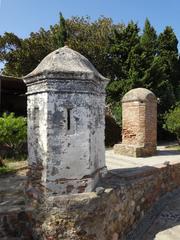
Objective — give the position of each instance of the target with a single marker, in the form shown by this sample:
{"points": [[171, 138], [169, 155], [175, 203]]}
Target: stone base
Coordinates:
{"points": [[38, 190], [134, 151]]}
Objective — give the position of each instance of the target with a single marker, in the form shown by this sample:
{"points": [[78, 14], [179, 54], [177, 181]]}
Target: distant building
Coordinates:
{"points": [[12, 95]]}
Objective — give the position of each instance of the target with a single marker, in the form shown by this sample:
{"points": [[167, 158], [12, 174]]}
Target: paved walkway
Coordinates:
{"points": [[167, 224], [164, 156]]}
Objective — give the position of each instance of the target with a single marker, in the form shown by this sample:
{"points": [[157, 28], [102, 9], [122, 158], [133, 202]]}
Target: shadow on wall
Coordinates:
{"points": [[12, 95], [112, 131]]}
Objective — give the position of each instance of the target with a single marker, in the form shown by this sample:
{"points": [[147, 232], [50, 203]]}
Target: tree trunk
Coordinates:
{"points": [[1, 162], [178, 140]]}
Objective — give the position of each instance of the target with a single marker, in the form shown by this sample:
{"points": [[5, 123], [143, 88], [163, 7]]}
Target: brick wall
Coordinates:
{"points": [[139, 120]]}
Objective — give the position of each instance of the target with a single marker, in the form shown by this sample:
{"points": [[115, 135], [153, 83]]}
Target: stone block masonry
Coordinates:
{"points": [[139, 124], [123, 199], [111, 212], [66, 102]]}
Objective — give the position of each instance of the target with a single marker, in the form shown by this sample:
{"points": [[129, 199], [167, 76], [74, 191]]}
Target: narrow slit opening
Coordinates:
{"points": [[68, 119]]}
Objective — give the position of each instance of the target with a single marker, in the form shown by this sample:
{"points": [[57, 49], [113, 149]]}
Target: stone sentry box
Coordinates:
{"points": [[139, 124], [66, 101]]}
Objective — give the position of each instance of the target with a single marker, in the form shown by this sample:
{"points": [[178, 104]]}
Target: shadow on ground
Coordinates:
{"points": [[167, 152], [167, 224], [14, 222]]}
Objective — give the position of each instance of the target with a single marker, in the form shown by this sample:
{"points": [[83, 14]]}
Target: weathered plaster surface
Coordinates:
{"points": [[66, 102]]}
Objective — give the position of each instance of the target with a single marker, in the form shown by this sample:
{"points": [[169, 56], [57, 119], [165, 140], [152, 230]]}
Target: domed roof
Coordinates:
{"points": [[139, 94], [65, 63]]}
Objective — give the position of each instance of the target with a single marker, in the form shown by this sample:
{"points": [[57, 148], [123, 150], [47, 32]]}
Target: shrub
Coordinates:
{"points": [[13, 133], [172, 121], [117, 113]]}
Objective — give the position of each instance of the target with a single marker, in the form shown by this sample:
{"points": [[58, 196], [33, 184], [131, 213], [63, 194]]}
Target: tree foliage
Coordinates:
{"points": [[128, 57], [92, 39], [13, 132], [21, 56], [172, 121], [61, 33]]}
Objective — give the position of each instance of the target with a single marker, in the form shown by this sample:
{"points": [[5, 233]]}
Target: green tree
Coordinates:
{"points": [[125, 65], [13, 132], [130, 59], [92, 40], [61, 34], [148, 56], [9, 44], [21, 56], [169, 58], [124, 54], [172, 121], [154, 76], [149, 41], [177, 74]]}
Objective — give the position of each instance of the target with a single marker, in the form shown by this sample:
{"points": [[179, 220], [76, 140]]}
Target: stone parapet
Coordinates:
{"points": [[122, 200], [111, 212]]}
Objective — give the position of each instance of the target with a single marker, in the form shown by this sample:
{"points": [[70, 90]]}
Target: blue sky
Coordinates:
{"points": [[24, 16]]}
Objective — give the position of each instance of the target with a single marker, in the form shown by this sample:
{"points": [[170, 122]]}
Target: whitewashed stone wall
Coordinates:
{"points": [[65, 126]]}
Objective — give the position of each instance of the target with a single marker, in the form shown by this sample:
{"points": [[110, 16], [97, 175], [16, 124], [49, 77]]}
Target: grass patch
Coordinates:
{"points": [[11, 166], [6, 169], [175, 147]]}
